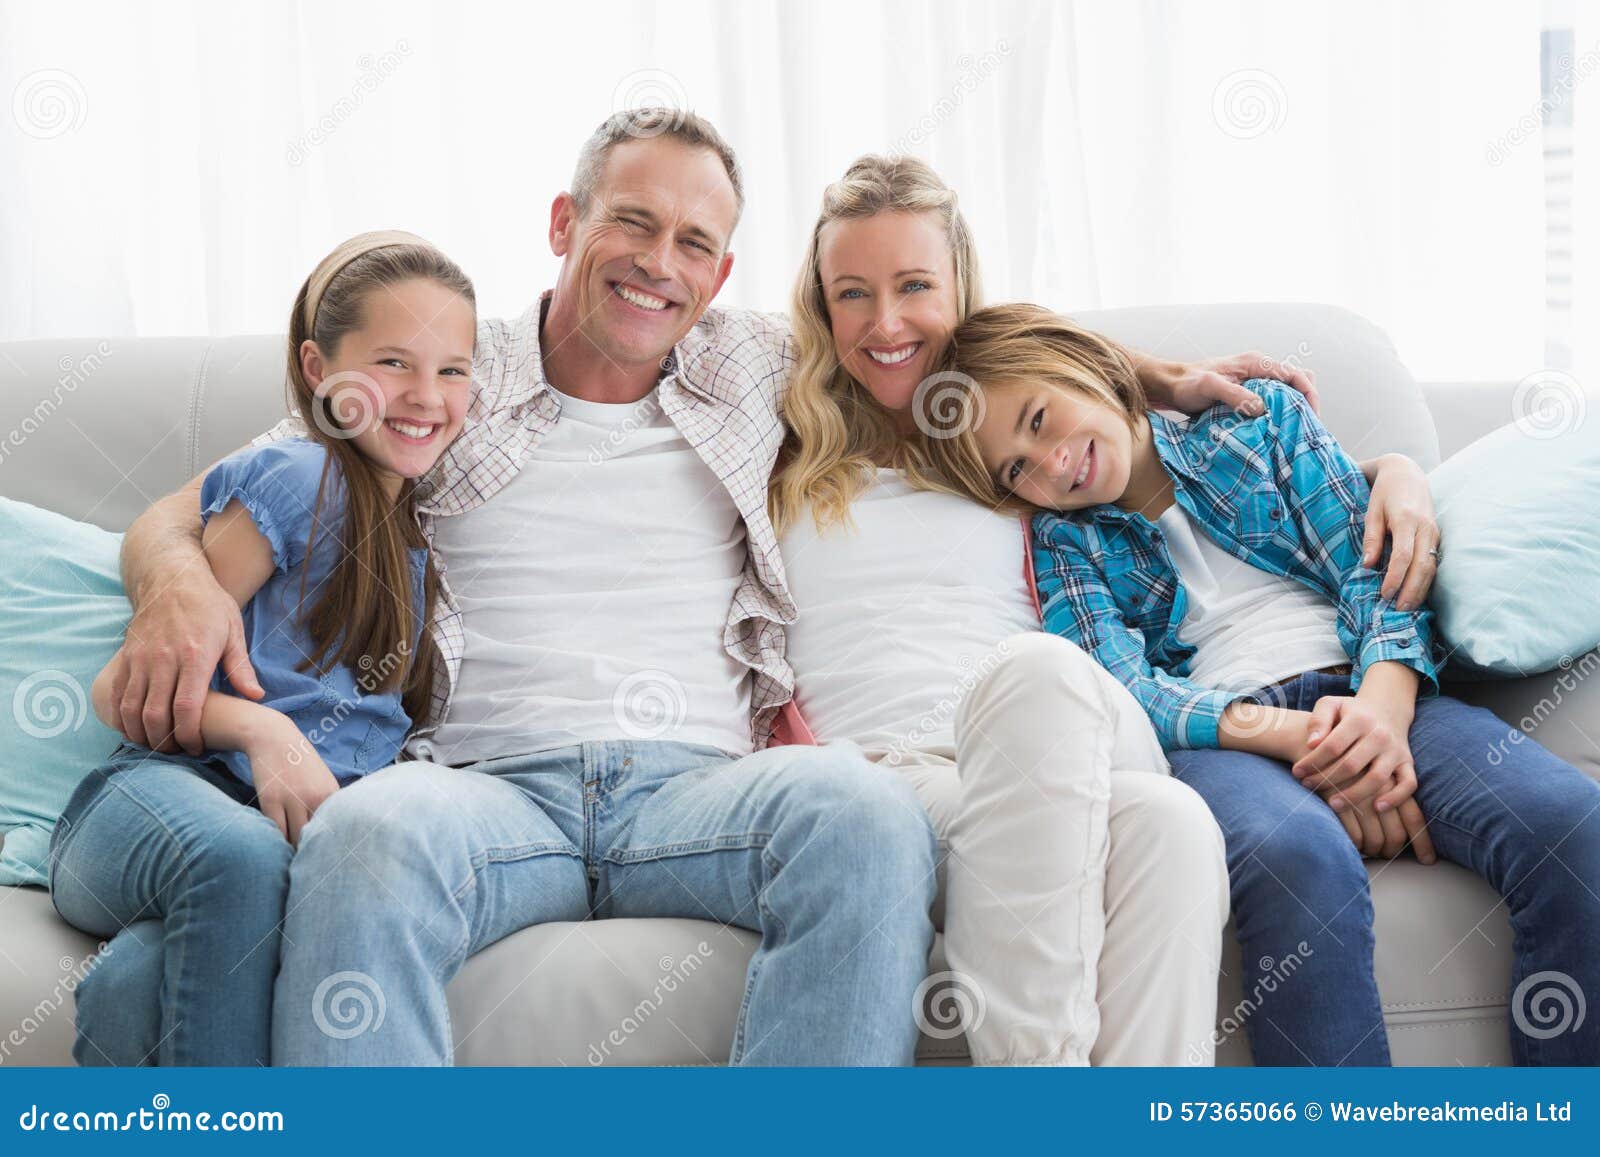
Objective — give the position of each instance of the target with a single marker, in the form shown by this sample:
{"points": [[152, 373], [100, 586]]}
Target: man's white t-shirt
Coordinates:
{"points": [[594, 593]]}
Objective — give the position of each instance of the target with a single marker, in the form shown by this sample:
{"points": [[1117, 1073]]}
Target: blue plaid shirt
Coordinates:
{"points": [[1277, 491]]}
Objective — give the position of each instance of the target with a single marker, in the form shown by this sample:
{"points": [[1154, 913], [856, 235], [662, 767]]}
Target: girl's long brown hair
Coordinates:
{"points": [[364, 617]]}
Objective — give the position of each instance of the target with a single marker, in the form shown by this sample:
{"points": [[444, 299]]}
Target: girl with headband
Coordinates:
{"points": [[183, 862]]}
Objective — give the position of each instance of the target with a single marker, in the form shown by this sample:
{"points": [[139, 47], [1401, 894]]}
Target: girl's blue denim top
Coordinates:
{"points": [[355, 728]]}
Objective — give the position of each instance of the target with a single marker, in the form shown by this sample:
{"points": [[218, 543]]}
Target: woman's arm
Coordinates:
{"points": [[1193, 387]]}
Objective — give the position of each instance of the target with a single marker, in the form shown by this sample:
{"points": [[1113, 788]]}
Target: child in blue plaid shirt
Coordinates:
{"points": [[1215, 567]]}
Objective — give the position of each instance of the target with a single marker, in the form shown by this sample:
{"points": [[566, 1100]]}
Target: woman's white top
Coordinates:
{"points": [[899, 615], [1249, 627]]}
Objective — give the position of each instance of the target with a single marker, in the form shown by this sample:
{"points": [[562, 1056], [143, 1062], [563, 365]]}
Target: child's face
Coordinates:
{"points": [[399, 385], [1054, 448]]}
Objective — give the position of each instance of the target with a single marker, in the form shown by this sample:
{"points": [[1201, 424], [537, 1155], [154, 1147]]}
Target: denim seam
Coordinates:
{"points": [[722, 843], [771, 866]]}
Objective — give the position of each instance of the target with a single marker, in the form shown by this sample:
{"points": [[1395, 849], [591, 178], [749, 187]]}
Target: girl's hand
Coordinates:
{"points": [[1401, 510], [1357, 752], [291, 779], [1194, 387]]}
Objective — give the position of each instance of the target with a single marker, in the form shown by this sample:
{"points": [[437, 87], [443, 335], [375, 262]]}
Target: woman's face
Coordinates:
{"points": [[890, 285], [1054, 448]]}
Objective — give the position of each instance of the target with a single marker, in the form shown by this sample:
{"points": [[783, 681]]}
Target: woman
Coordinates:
{"points": [[1084, 900]]}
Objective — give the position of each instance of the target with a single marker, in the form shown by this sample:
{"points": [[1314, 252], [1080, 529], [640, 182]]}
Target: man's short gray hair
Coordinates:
{"points": [[640, 124]]}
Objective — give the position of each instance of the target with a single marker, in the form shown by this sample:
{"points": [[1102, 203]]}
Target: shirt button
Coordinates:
{"points": [[1275, 513], [1217, 434]]}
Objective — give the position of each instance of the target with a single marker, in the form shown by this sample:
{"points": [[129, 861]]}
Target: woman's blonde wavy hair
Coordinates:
{"points": [[837, 433]]}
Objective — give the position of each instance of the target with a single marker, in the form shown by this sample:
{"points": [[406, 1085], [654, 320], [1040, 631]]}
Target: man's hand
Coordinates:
{"points": [[291, 780], [1401, 510], [1387, 834], [1358, 752], [160, 675], [1193, 387]]}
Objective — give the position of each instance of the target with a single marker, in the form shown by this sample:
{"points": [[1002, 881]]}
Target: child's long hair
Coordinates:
{"points": [[364, 617], [837, 431], [1017, 343]]}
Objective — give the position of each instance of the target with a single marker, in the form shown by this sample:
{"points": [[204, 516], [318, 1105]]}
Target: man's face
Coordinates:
{"points": [[646, 259]]}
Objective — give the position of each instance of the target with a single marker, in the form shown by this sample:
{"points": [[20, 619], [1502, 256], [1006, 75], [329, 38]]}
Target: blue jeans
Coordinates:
{"points": [[167, 857], [405, 874], [1496, 803]]}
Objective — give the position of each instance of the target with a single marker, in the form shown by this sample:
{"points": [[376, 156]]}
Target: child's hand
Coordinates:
{"points": [[291, 779], [1388, 833], [1358, 747]]}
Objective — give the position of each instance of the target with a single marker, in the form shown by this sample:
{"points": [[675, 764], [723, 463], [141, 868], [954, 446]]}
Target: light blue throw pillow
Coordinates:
{"points": [[62, 617], [1518, 589]]}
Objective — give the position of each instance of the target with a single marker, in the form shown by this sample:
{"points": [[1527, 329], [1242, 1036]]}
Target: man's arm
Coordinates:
{"points": [[183, 624]]}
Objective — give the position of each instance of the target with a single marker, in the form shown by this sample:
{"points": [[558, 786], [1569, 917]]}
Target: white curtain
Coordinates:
{"points": [[178, 167]]}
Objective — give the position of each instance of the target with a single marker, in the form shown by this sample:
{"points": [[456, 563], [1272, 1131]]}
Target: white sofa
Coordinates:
{"points": [[153, 412]]}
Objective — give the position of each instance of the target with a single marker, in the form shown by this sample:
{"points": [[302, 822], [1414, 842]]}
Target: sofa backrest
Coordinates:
{"points": [[97, 430]]}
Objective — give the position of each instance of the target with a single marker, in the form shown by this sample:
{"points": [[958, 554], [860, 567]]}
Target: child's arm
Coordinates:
{"points": [[1328, 497], [290, 778], [1078, 605]]}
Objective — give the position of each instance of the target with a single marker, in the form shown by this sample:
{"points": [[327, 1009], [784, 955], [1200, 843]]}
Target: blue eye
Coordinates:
{"points": [[1038, 418], [392, 362], [916, 286], [1016, 469], [849, 293]]}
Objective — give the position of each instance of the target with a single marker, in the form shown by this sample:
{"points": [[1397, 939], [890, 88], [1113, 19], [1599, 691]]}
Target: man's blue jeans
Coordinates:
{"points": [[1495, 801], [403, 875]]}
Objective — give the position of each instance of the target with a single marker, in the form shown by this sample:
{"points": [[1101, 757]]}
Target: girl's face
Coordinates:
{"points": [[399, 385], [1054, 448], [890, 285]]}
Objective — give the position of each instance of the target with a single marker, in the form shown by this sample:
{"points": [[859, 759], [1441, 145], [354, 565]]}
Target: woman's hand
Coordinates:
{"points": [[1193, 387], [291, 779], [1387, 834], [1401, 510]]}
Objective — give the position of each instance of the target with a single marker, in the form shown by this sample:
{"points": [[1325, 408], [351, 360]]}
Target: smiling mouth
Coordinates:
{"points": [[1085, 468], [416, 433], [895, 355], [639, 299]]}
